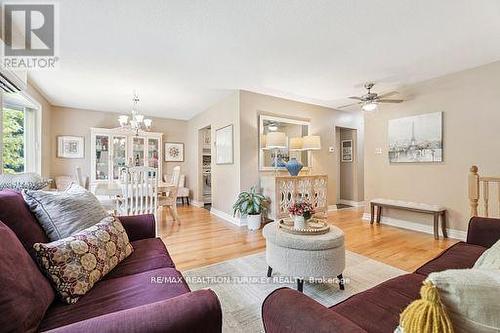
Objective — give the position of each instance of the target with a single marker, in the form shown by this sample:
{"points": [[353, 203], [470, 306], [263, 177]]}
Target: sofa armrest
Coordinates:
{"points": [[197, 311], [287, 310], [139, 226], [483, 231]]}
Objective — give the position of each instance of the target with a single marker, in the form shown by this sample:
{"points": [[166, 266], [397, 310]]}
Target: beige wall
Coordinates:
{"points": [[469, 101], [225, 178], [323, 121], [68, 121]]}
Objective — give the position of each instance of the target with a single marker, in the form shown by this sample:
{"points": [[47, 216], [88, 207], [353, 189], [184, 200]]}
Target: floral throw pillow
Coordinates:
{"points": [[74, 264]]}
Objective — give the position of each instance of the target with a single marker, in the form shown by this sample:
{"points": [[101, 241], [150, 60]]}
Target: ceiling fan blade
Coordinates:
{"points": [[387, 94], [390, 100], [347, 105], [355, 97]]}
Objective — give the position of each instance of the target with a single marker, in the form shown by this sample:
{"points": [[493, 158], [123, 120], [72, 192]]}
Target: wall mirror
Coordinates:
{"points": [[290, 128]]}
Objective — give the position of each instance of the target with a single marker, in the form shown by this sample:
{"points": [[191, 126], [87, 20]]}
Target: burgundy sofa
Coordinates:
{"points": [[126, 300], [375, 310]]}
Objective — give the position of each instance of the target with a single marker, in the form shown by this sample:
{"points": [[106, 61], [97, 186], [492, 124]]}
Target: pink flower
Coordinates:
{"points": [[301, 208]]}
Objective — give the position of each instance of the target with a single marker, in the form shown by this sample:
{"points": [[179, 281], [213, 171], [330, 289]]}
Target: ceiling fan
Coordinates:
{"points": [[370, 100]]}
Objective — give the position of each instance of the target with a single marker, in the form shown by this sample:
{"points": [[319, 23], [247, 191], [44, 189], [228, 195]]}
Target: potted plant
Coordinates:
{"points": [[300, 212], [251, 205]]}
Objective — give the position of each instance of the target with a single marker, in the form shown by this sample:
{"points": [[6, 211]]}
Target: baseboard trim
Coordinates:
{"points": [[452, 233], [227, 217], [352, 203], [332, 208], [196, 203]]}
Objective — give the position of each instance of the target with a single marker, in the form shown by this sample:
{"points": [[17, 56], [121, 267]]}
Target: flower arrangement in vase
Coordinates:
{"points": [[300, 212]]}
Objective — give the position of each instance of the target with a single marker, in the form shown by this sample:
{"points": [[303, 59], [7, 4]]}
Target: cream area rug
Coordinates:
{"points": [[241, 285]]}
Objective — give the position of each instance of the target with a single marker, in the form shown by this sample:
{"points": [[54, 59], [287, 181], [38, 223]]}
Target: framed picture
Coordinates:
{"points": [[346, 150], [416, 139], [70, 146], [224, 145], [174, 152]]}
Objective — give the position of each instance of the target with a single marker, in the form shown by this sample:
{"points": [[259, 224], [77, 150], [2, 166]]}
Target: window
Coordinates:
{"points": [[13, 140], [18, 123]]}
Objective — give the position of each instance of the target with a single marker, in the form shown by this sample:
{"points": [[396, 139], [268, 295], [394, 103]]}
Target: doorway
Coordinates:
{"points": [[349, 167], [206, 166]]}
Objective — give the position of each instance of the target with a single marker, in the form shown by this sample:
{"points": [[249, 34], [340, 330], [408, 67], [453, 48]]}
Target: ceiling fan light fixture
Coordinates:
{"points": [[369, 106]]}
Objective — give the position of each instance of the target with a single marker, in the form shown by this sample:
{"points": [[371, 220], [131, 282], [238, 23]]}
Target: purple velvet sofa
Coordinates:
{"points": [[375, 310], [126, 300]]}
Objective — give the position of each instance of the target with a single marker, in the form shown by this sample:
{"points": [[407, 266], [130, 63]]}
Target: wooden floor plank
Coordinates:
{"points": [[203, 239]]}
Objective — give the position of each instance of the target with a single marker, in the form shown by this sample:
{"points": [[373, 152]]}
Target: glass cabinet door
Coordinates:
{"points": [[102, 157], [138, 148], [119, 155], [153, 152]]}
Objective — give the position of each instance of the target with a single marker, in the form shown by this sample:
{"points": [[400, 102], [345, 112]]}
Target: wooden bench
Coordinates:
{"points": [[435, 210]]}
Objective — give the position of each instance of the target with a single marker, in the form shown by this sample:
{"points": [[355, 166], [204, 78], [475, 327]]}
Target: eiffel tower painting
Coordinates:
{"points": [[416, 139]]}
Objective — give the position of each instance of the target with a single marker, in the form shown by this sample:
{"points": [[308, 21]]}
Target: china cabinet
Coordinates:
{"points": [[112, 149]]}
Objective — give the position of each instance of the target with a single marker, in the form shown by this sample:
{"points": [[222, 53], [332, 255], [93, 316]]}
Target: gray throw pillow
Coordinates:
{"points": [[23, 181], [61, 214]]}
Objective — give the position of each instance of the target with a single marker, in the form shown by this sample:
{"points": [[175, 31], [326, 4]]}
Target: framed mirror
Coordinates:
{"points": [[291, 128]]}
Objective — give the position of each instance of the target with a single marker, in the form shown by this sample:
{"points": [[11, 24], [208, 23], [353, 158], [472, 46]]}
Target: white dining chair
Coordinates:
{"points": [[169, 197], [82, 180], [139, 191]]}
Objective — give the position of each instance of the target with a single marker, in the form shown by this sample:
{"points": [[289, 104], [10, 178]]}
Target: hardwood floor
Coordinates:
{"points": [[202, 239]]}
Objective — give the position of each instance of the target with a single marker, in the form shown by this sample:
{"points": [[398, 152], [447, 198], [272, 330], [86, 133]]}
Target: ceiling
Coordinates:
{"points": [[183, 56]]}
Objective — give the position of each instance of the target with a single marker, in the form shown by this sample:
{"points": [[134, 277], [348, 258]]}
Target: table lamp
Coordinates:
{"points": [[311, 143]]}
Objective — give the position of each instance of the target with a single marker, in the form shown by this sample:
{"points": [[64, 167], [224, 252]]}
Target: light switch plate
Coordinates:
{"points": [[378, 151], [331, 149]]}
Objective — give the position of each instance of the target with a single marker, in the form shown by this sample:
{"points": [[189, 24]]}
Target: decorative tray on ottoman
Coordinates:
{"points": [[314, 227]]}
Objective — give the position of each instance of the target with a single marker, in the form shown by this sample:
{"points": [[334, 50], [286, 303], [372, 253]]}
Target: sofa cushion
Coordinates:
{"points": [[61, 214], [377, 310], [490, 259], [458, 256], [113, 295], [26, 294], [148, 254], [470, 297], [74, 264], [16, 215]]}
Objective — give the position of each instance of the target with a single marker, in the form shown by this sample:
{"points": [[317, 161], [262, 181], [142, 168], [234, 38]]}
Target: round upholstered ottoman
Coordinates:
{"points": [[305, 256]]}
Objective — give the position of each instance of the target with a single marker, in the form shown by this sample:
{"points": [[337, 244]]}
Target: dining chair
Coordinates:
{"points": [[83, 181], [63, 182], [169, 197], [139, 191]]}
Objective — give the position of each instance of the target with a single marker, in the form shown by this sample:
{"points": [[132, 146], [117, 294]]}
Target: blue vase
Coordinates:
{"points": [[293, 166]]}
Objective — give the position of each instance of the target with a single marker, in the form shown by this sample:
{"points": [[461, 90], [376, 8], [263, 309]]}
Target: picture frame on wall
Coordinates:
{"points": [[174, 152], [224, 150], [70, 146], [346, 151], [416, 139]]}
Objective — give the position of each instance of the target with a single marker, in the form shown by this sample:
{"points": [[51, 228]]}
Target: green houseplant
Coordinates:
{"points": [[250, 204]]}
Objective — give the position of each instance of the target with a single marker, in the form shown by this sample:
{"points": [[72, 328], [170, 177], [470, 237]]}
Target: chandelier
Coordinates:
{"points": [[137, 121]]}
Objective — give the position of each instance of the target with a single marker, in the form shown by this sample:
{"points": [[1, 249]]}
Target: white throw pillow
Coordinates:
{"points": [[471, 297], [490, 259]]}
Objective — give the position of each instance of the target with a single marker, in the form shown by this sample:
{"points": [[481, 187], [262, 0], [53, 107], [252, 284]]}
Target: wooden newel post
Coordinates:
{"points": [[473, 190]]}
